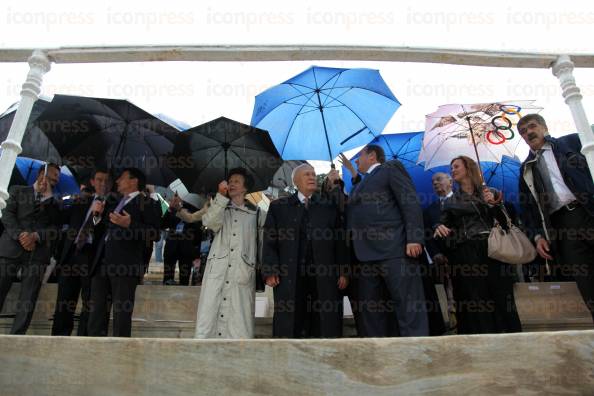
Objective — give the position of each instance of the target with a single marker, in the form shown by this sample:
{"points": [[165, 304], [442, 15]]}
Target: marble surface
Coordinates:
{"points": [[511, 364]]}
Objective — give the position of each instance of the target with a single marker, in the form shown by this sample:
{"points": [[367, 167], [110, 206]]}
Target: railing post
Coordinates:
{"points": [[563, 70], [39, 64]]}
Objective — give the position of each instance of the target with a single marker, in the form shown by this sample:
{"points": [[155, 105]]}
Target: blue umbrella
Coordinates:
{"points": [[29, 168], [324, 111], [504, 176], [406, 148]]}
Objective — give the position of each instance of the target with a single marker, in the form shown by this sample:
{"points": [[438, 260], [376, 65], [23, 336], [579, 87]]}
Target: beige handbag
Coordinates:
{"points": [[511, 246]]}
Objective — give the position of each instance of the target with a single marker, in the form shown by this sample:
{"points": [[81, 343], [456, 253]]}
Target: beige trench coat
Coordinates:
{"points": [[227, 298]]}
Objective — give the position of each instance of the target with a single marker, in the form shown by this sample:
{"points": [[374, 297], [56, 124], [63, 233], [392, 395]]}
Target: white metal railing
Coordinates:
{"points": [[40, 62]]}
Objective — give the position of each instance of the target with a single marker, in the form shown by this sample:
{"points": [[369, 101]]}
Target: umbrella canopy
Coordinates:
{"points": [[282, 177], [35, 143], [94, 131], [482, 131], [29, 168], [203, 155], [406, 148], [325, 111]]}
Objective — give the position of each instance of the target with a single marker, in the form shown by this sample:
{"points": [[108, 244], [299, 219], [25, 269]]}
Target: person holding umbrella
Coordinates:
{"points": [[385, 221], [306, 261], [226, 308], [483, 287]]}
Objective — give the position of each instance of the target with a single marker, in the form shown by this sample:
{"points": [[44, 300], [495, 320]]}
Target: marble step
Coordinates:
{"points": [[560, 363]]}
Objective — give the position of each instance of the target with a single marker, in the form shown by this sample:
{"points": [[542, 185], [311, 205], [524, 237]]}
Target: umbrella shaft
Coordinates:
{"points": [[478, 160], [324, 123]]}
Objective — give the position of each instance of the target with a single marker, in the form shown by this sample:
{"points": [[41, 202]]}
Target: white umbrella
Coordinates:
{"points": [[484, 131]]}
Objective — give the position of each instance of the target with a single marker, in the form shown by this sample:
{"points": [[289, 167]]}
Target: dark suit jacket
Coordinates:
{"points": [[19, 216], [431, 216], [74, 216], [281, 254], [123, 254], [576, 175], [190, 237], [384, 214]]}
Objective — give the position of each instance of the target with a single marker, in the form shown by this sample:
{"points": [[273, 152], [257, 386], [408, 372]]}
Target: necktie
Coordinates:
{"points": [[83, 234], [542, 180], [306, 202], [121, 204], [118, 209]]}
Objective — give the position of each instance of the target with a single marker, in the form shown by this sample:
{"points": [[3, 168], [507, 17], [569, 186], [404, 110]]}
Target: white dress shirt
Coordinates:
{"points": [[302, 197], [372, 167], [563, 192]]}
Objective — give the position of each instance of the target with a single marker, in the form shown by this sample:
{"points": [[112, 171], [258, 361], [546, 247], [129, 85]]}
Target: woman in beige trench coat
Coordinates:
{"points": [[226, 308]]}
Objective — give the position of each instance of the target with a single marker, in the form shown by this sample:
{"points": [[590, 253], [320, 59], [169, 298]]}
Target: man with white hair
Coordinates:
{"points": [[436, 273], [442, 186], [304, 259]]}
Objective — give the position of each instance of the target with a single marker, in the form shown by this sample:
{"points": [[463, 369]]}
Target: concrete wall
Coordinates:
{"points": [[528, 363]]}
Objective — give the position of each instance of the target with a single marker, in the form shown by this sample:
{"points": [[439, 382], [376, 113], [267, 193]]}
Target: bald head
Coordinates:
{"points": [[304, 178]]}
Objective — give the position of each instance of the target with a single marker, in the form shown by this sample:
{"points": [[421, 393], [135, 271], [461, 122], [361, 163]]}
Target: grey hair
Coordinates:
{"points": [[296, 169], [442, 174]]}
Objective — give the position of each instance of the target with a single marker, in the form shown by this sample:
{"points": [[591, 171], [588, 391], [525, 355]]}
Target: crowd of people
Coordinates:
{"points": [[375, 245]]}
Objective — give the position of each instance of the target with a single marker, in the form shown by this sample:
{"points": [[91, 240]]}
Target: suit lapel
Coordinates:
{"points": [[365, 179]]}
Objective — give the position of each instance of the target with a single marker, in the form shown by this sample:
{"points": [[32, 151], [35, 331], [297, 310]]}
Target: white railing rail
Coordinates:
{"points": [[40, 61]]}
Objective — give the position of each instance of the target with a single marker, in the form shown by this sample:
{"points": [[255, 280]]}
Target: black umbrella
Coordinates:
{"points": [[35, 143], [203, 155], [110, 132]]}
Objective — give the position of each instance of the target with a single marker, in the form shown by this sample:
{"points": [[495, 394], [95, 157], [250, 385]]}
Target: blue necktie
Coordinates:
{"points": [[118, 208], [121, 204]]}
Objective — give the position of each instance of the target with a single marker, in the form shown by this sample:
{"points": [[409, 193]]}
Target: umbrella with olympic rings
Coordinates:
{"points": [[483, 130]]}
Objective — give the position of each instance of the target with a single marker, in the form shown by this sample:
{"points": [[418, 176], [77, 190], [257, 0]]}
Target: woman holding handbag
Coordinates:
{"points": [[483, 287]]}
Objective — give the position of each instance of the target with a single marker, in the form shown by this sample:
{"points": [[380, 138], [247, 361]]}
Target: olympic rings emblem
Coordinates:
{"points": [[503, 125]]}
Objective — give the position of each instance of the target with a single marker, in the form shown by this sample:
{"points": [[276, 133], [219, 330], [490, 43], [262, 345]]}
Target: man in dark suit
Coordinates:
{"points": [[435, 261], [442, 186], [182, 245], [557, 196], [304, 259], [30, 220], [385, 221], [81, 241], [119, 261]]}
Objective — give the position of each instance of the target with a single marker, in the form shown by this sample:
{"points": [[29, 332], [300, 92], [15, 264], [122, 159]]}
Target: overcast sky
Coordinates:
{"points": [[200, 91]]}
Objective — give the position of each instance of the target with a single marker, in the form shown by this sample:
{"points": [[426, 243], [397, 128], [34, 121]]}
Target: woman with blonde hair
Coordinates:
{"points": [[483, 287]]}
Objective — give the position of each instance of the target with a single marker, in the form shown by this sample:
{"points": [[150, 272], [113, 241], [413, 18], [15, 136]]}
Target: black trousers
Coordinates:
{"points": [[73, 279], [574, 244], [483, 290], [177, 251], [111, 292], [307, 320], [391, 298], [431, 277], [31, 276]]}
